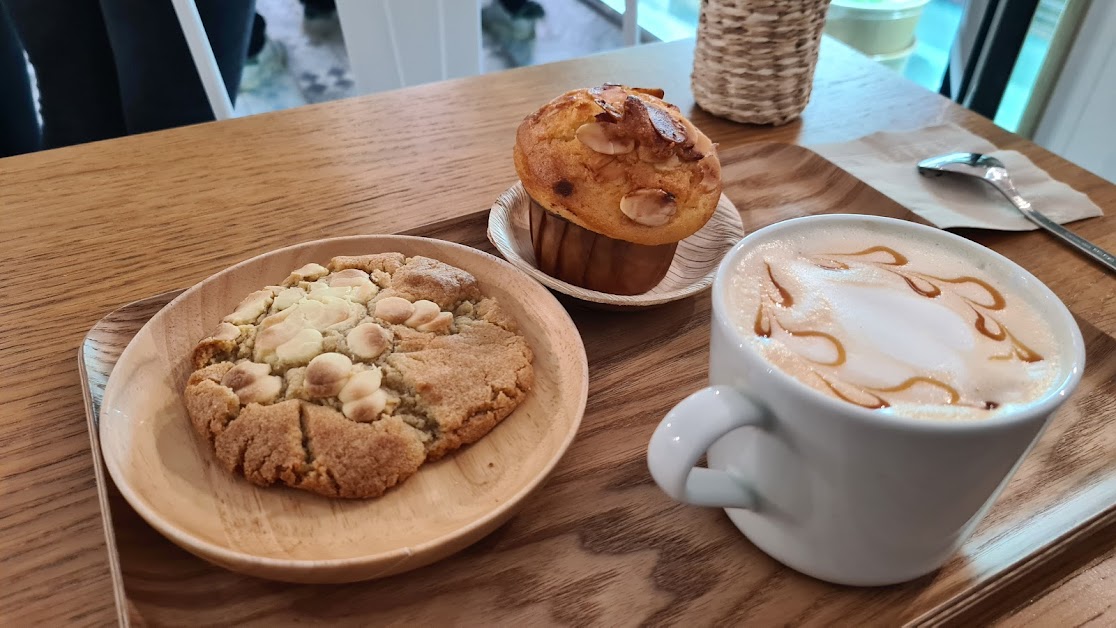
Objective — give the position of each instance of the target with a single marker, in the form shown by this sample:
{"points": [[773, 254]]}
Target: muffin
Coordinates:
{"points": [[617, 177], [344, 380]]}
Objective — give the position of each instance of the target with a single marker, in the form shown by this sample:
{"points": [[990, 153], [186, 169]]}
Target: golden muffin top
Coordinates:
{"points": [[621, 162]]}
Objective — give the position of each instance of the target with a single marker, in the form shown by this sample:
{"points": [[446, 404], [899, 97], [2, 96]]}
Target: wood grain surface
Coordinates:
{"points": [[625, 552], [91, 227], [1081, 599]]}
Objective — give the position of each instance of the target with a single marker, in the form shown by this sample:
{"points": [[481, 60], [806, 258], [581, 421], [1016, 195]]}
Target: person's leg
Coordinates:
{"points": [[258, 35], [267, 58], [510, 25], [316, 9], [159, 84], [78, 92], [19, 127], [513, 6], [228, 23]]}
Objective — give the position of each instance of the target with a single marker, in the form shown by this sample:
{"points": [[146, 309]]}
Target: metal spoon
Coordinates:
{"points": [[992, 171]]}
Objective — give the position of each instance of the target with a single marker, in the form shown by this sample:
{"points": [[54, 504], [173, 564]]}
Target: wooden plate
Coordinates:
{"points": [[691, 272], [170, 477]]}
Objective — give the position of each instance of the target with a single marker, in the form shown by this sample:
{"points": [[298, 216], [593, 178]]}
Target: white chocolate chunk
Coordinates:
{"points": [[368, 340], [366, 409], [274, 331], [365, 292], [348, 277], [361, 384], [362, 399], [327, 374], [276, 318], [308, 272], [441, 322], [300, 349], [324, 313], [394, 310], [424, 312], [226, 331], [253, 383], [321, 292], [362, 288], [280, 333], [250, 308], [287, 298]]}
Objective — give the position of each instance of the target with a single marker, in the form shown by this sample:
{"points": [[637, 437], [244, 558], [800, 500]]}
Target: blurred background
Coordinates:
{"points": [[1042, 68], [913, 37]]}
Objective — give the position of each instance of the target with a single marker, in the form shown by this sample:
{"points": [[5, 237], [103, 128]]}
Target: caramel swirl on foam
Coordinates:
{"points": [[979, 296], [910, 277], [764, 318], [879, 402]]}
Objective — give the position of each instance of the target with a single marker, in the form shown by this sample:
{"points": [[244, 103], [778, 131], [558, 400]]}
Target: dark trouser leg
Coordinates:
{"points": [[318, 8], [19, 128], [159, 85], [78, 91], [513, 6], [258, 36]]}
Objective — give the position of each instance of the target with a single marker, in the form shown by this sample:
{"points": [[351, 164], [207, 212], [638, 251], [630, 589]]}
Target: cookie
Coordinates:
{"points": [[345, 379]]}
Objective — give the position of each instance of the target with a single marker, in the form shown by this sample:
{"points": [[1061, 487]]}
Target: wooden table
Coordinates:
{"points": [[91, 227]]}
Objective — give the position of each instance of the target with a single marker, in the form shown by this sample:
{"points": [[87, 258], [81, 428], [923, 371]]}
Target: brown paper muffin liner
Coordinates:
{"points": [[691, 271], [590, 260]]}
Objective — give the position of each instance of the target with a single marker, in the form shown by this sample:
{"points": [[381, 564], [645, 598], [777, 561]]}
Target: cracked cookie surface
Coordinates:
{"points": [[345, 379]]}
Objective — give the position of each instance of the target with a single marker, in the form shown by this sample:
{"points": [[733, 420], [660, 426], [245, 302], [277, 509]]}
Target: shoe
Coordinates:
{"points": [[512, 34], [318, 9], [264, 67]]}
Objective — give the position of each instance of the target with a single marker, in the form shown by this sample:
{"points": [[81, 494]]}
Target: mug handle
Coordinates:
{"points": [[684, 435]]}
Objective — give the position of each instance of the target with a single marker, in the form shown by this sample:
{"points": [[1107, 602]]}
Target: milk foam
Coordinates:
{"points": [[893, 323]]}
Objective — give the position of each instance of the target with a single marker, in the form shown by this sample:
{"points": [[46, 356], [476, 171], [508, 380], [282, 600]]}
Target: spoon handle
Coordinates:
{"points": [[1067, 236]]}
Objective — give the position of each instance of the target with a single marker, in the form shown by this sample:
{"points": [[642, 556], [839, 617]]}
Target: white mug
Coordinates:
{"points": [[831, 489]]}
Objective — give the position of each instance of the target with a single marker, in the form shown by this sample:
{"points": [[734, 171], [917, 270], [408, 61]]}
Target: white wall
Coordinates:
{"points": [[1079, 122]]}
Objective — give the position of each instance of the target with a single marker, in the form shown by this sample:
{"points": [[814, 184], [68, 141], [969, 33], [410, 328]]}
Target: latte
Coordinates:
{"points": [[893, 323]]}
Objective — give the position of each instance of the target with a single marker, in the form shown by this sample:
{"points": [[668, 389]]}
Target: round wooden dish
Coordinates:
{"points": [[170, 477]]}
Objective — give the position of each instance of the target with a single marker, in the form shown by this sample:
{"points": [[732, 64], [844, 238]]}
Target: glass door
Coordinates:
{"points": [[660, 20]]}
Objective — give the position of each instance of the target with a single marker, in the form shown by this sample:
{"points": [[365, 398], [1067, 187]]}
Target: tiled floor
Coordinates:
{"points": [[318, 67], [570, 29]]}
